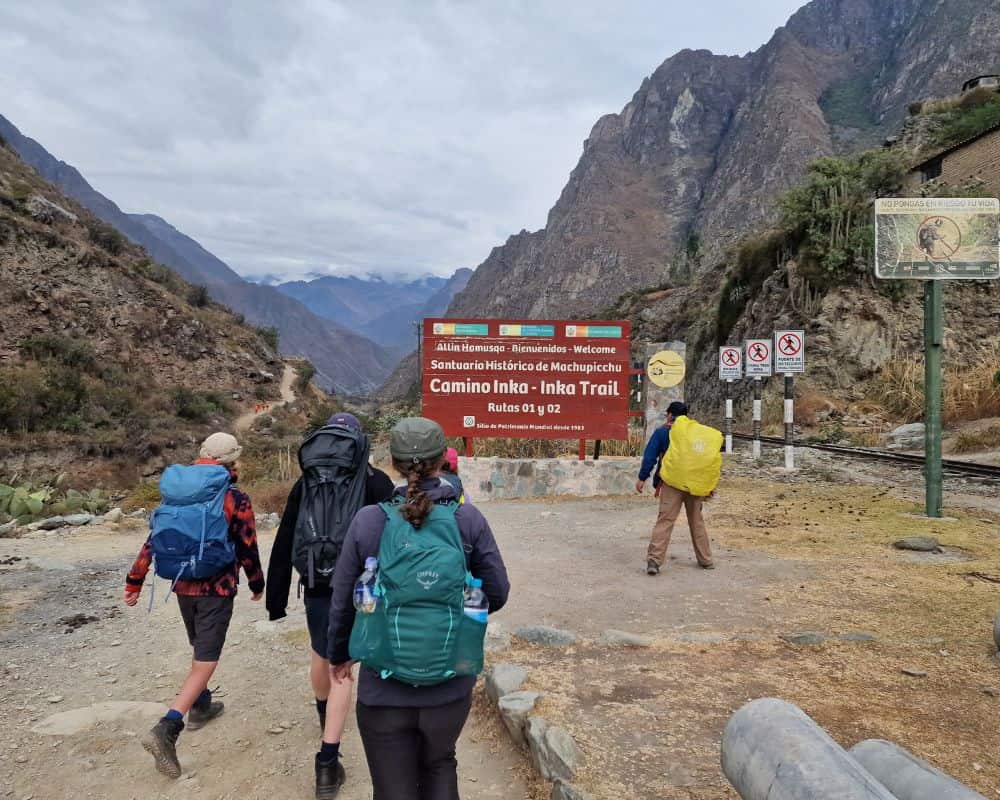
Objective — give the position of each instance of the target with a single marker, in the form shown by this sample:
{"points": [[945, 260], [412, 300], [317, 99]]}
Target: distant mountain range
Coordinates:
{"points": [[345, 360], [384, 311]]}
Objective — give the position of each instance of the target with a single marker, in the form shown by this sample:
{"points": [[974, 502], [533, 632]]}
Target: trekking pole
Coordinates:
{"points": [[729, 416], [756, 418], [789, 421]]}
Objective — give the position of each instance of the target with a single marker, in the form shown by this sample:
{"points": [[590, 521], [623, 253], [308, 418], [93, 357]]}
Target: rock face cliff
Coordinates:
{"points": [[699, 154]]}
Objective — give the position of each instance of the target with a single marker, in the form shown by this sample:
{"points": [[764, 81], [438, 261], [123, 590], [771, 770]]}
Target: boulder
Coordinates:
{"points": [[906, 776], [50, 524], [114, 515], [504, 679], [907, 437], [8, 528], [553, 751], [920, 544], [804, 637], [614, 638], [515, 708], [566, 791], [497, 638], [545, 635], [76, 520], [857, 636]]}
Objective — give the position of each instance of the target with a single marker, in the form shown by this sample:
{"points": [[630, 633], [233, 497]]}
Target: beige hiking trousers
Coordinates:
{"points": [[671, 500]]}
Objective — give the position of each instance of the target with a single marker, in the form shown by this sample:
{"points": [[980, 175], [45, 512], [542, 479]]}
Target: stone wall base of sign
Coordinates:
{"points": [[511, 478]]}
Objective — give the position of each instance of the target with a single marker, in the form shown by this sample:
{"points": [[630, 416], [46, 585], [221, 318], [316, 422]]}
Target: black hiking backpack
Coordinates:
{"points": [[334, 462]]}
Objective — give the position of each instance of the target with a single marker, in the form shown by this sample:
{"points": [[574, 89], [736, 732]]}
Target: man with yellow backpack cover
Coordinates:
{"points": [[690, 469]]}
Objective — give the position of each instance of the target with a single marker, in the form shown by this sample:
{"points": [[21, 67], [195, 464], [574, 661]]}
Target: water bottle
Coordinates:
{"points": [[477, 607], [365, 599]]}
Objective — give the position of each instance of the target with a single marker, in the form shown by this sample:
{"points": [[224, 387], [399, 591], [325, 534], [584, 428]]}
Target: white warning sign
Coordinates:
{"points": [[730, 363], [789, 351], [758, 357]]}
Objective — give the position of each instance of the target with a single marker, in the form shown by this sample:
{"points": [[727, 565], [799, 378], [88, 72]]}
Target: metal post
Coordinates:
{"points": [[419, 326], [468, 446], [597, 450], [583, 450], [729, 417], [933, 339], [789, 421], [756, 418]]}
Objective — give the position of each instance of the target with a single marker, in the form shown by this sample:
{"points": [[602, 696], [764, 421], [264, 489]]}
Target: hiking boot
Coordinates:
{"points": [[161, 743], [709, 565], [330, 777], [652, 568], [200, 717]]}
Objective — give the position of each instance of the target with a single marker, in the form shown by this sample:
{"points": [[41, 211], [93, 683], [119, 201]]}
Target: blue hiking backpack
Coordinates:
{"points": [[189, 532]]}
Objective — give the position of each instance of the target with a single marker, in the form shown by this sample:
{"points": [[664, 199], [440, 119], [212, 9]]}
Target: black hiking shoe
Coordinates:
{"points": [[652, 568], [200, 717], [161, 743], [330, 776]]}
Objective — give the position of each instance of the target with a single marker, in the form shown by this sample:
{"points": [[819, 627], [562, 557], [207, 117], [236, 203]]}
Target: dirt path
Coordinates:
{"points": [[81, 676], [244, 421]]}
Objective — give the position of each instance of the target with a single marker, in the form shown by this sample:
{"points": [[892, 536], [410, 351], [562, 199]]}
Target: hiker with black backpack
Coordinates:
{"points": [[202, 533], [336, 482], [424, 567]]}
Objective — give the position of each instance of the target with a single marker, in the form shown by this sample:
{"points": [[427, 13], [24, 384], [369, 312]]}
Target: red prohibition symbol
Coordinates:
{"points": [[790, 344], [730, 358], [758, 353]]}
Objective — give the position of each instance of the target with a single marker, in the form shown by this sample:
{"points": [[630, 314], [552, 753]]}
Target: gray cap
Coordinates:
{"points": [[416, 439]]}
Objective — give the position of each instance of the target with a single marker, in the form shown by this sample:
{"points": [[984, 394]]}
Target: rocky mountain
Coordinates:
{"points": [[103, 351], [380, 309], [696, 160], [699, 154], [345, 361]]}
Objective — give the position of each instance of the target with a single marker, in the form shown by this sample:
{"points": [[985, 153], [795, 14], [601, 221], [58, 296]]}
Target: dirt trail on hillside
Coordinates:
{"points": [[82, 676], [244, 421]]}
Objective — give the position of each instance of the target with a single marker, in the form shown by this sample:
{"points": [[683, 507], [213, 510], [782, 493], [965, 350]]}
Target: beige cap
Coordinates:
{"points": [[223, 447]]}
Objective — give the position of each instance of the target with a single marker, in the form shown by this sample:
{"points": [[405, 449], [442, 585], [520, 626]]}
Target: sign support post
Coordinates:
{"points": [[729, 416], [789, 421], [756, 418], [933, 339]]}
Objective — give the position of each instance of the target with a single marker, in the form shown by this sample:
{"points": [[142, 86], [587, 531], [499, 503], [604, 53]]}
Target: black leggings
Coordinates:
{"points": [[411, 751]]}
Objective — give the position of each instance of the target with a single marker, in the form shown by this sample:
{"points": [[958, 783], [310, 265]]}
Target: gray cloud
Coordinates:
{"points": [[352, 137]]}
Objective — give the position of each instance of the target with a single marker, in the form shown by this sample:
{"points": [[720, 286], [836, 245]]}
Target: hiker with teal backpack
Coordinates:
{"points": [[202, 533], [413, 584]]}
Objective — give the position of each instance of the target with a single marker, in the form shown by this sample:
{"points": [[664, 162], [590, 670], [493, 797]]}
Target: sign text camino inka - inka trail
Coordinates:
{"points": [[531, 379]]}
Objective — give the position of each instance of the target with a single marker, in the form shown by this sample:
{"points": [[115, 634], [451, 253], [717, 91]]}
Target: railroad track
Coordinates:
{"points": [[949, 465]]}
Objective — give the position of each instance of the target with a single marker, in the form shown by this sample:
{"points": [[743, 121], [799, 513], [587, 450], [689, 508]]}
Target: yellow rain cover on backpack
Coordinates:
{"points": [[693, 462]]}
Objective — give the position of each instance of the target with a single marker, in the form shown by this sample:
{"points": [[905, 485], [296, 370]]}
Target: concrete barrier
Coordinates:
{"points": [[772, 751], [510, 478], [906, 776]]}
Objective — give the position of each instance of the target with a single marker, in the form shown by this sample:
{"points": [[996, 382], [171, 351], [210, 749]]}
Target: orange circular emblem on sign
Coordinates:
{"points": [[666, 368]]}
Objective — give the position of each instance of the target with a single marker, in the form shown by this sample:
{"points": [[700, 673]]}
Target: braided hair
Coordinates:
{"points": [[418, 504]]}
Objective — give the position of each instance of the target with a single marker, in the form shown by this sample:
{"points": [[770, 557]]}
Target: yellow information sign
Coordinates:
{"points": [[666, 369]]}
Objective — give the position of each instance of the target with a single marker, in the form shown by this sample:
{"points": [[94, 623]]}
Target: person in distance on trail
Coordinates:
{"points": [[324, 502], [429, 555], [449, 471], [693, 488], [200, 536]]}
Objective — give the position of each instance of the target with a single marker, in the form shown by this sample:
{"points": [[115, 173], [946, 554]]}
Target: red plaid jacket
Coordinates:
{"points": [[243, 532]]}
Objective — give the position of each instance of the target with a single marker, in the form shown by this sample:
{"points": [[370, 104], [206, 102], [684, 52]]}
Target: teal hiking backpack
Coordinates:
{"points": [[418, 633]]}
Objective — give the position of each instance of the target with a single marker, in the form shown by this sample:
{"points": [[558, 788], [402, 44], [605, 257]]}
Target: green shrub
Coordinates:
{"points": [[196, 406], [198, 296], [270, 337], [61, 349], [106, 237], [304, 373]]}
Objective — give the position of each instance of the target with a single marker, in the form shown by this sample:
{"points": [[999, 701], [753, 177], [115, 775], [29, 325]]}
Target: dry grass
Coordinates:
{"points": [[145, 495], [975, 441], [971, 388], [553, 448], [268, 496]]}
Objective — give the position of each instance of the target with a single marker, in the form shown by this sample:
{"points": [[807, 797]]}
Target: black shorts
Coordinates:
{"points": [[207, 621], [318, 621]]}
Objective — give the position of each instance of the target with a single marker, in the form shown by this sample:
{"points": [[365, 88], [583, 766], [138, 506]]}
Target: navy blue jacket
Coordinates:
{"points": [[363, 538], [655, 448]]}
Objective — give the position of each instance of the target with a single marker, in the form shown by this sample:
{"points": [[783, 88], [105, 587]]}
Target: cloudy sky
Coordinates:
{"points": [[371, 136]]}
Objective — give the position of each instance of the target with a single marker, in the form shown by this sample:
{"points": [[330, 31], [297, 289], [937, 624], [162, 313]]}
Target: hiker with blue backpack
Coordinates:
{"points": [[201, 535], [413, 585], [336, 482]]}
